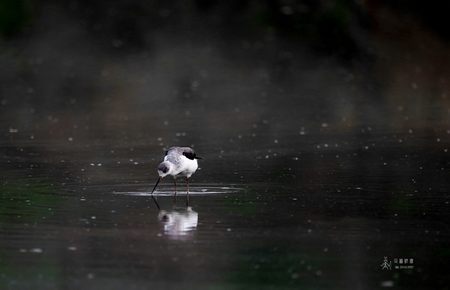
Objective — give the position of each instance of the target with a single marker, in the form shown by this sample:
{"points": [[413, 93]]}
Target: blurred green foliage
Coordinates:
{"points": [[14, 16]]}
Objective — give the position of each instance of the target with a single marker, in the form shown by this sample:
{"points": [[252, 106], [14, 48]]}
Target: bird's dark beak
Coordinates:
{"points": [[154, 199], [196, 157], [157, 182]]}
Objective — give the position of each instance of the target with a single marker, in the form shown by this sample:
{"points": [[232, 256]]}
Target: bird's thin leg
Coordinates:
{"points": [[175, 193], [187, 193], [153, 190]]}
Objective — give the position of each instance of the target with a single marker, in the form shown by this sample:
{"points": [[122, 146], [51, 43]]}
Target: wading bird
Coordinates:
{"points": [[179, 161]]}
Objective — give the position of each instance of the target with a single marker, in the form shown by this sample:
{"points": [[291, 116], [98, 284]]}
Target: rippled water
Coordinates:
{"points": [[286, 217], [199, 189]]}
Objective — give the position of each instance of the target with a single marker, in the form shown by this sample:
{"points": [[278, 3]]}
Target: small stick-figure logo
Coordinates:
{"points": [[386, 265]]}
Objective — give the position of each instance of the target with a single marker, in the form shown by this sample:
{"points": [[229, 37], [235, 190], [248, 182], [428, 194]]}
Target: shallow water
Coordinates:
{"points": [[298, 216], [323, 128]]}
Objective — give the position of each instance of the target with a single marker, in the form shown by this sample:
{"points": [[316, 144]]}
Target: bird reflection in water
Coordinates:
{"points": [[179, 223]]}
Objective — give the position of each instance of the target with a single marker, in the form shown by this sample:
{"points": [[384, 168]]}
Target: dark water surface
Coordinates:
{"points": [[324, 128], [308, 210]]}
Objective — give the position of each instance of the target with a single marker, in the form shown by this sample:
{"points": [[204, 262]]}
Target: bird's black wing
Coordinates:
{"points": [[189, 153]]}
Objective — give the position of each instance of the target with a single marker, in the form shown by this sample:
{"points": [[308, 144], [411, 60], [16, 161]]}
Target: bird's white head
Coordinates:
{"points": [[164, 169]]}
